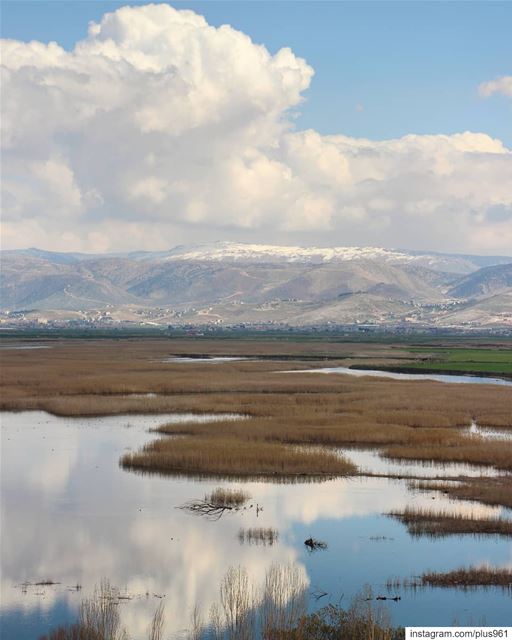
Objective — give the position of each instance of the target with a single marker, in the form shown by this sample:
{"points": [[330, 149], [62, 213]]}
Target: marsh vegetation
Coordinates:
{"points": [[426, 522], [266, 536], [462, 578], [470, 577], [99, 619], [230, 457], [274, 610], [271, 425], [218, 502], [295, 421], [491, 491], [227, 497], [277, 610]]}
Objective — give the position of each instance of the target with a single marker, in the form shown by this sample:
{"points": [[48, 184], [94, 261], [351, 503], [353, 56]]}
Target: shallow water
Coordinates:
{"points": [[17, 346], [374, 373], [370, 461], [72, 515]]}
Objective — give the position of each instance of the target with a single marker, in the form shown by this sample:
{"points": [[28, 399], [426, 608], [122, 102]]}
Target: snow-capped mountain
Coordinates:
{"points": [[260, 253], [228, 282], [240, 252]]}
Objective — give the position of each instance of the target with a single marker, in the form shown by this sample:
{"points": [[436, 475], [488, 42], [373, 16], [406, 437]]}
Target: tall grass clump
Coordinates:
{"points": [[491, 491], [216, 456], [265, 536], [462, 578], [424, 522], [226, 497], [470, 577]]}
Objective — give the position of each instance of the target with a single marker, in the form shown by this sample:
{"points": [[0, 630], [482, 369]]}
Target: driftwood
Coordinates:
{"points": [[315, 545], [207, 509]]}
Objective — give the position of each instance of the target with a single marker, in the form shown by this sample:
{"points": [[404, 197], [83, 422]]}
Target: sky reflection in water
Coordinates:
{"points": [[437, 377], [70, 514]]}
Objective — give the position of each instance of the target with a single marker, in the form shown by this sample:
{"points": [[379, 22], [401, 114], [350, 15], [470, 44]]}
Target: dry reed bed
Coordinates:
{"points": [[491, 491], [471, 577], [437, 445], [492, 454], [227, 497], [306, 427], [124, 367], [230, 457], [408, 420], [424, 522]]}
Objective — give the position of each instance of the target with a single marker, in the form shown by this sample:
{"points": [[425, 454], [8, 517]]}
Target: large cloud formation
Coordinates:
{"points": [[159, 128]]}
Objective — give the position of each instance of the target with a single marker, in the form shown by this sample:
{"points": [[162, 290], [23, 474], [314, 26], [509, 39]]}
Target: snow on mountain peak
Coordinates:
{"points": [[240, 252]]}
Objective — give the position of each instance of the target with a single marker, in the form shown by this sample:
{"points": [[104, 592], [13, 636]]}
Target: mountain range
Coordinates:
{"points": [[232, 283]]}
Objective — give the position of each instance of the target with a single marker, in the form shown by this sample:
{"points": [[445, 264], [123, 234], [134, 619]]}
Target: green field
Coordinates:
{"points": [[481, 360]]}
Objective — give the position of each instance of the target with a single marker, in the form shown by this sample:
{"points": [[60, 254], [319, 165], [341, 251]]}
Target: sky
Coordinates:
{"points": [[313, 123]]}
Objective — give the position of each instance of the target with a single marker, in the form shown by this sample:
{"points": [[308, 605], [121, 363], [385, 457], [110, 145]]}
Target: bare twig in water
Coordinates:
{"points": [[215, 504]]}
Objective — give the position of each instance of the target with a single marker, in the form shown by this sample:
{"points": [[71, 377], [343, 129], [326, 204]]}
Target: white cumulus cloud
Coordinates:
{"points": [[158, 128]]}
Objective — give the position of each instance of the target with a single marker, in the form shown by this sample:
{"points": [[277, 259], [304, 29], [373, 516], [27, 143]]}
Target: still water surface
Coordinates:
{"points": [[370, 461], [374, 373], [72, 515]]}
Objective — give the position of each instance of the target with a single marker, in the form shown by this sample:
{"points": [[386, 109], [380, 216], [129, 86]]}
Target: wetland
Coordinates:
{"points": [[398, 478]]}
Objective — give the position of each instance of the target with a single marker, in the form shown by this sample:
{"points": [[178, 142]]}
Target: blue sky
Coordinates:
{"points": [[164, 128], [382, 69]]}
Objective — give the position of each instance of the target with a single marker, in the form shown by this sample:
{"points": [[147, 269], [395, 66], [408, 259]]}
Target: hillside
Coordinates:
{"points": [[484, 282], [236, 283]]}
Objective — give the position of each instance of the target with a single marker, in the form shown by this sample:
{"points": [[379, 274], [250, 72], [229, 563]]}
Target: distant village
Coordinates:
{"points": [[195, 321]]}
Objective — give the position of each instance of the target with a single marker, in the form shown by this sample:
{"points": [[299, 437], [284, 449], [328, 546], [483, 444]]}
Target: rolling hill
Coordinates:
{"points": [[232, 282]]}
